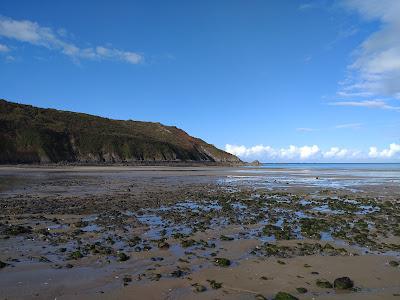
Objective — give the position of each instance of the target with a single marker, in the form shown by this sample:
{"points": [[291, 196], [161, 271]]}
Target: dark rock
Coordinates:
{"points": [[122, 256], [198, 288], [163, 245], [76, 255], [284, 296], [215, 285], [301, 290], [325, 284], [222, 262], [393, 263], [343, 283]]}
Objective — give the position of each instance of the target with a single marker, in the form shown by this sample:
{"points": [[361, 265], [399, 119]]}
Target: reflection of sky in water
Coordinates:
{"points": [[314, 178]]}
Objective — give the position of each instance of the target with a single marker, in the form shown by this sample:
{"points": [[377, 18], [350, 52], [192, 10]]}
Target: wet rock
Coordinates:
{"points": [[157, 258], [198, 288], [393, 263], [81, 224], [325, 284], [285, 296], [222, 262], [301, 290], [122, 256], [343, 283], [163, 245], [177, 273], [187, 243], [155, 277], [226, 238], [44, 259], [76, 255], [17, 230], [215, 285], [127, 279]]}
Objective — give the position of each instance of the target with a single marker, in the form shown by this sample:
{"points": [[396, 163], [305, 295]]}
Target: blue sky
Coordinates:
{"points": [[269, 80]]}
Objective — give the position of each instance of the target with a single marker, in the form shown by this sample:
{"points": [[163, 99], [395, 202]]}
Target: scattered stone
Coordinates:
{"points": [[285, 296], [3, 264], [163, 245], [122, 256], [17, 230], [301, 290], [126, 279], [177, 273], [343, 283], [198, 288], [393, 263], [325, 284], [226, 238], [76, 255], [222, 262], [215, 285]]}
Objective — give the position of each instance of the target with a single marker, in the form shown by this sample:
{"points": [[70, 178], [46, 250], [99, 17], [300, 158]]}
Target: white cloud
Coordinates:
{"points": [[258, 151], [390, 152], [4, 48], [367, 103], [312, 153], [341, 153], [34, 34], [376, 67]]}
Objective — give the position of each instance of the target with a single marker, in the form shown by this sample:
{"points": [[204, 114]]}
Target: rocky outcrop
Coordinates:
{"points": [[35, 135]]}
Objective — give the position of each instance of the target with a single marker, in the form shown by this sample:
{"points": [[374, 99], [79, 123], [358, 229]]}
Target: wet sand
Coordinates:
{"points": [[197, 232]]}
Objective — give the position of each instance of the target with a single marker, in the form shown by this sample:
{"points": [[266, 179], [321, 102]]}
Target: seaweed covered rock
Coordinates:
{"points": [[343, 283]]}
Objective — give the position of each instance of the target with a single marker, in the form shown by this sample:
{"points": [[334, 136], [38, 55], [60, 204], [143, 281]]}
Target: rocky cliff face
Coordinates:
{"points": [[34, 135]]}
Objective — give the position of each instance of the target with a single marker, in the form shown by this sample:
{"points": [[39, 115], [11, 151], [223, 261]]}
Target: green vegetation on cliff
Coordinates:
{"points": [[35, 135]]}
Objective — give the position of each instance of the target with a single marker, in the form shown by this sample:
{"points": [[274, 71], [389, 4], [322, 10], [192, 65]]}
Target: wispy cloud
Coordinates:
{"points": [[305, 129], [31, 32], [376, 67], [367, 103], [306, 6], [349, 126], [4, 48]]}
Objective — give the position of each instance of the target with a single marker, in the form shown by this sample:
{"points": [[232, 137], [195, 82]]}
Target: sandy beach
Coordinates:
{"points": [[198, 233]]}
